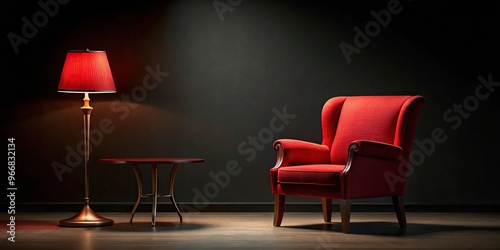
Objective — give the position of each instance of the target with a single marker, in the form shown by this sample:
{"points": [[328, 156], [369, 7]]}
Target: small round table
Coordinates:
{"points": [[154, 179]]}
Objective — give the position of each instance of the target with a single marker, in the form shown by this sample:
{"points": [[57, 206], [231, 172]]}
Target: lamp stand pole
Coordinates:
{"points": [[86, 217]]}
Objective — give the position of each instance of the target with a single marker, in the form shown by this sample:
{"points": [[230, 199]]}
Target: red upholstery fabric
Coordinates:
{"points": [[366, 144], [301, 152], [362, 118], [316, 174], [377, 149], [312, 191], [366, 178], [374, 132]]}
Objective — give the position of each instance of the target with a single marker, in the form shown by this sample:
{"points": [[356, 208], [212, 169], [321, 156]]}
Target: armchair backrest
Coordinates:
{"points": [[388, 119]]}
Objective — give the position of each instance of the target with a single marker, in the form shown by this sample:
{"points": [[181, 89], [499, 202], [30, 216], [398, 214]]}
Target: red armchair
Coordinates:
{"points": [[366, 144]]}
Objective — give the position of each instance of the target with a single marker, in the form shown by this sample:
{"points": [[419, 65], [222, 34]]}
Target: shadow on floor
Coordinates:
{"points": [[393, 229], [160, 227], [119, 227]]}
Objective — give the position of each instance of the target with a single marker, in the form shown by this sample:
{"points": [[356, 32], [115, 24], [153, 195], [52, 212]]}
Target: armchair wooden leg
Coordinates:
{"points": [[326, 205], [345, 214], [398, 203], [279, 209]]}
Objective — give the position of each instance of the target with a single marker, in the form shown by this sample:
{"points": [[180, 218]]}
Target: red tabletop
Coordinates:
{"points": [[150, 160]]}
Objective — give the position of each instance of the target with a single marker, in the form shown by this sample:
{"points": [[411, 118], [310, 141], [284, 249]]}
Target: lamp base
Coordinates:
{"points": [[86, 218]]}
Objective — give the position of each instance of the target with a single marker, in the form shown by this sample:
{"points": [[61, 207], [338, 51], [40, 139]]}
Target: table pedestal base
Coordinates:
{"points": [[154, 188], [154, 179]]}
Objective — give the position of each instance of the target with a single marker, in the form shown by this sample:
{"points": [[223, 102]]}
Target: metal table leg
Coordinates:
{"points": [[171, 189], [154, 188], [138, 178]]}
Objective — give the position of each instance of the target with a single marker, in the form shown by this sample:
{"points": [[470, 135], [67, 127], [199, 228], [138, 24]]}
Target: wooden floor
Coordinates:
{"points": [[299, 230]]}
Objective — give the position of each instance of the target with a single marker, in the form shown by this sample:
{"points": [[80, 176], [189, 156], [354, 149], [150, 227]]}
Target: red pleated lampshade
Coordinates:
{"points": [[86, 71]]}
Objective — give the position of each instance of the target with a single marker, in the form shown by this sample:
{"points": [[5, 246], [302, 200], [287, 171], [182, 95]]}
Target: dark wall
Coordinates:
{"points": [[222, 77]]}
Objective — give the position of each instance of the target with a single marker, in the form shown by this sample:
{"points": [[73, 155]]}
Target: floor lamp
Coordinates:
{"points": [[86, 72]]}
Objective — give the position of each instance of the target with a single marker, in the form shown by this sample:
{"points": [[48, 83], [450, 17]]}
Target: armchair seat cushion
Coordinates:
{"points": [[315, 174]]}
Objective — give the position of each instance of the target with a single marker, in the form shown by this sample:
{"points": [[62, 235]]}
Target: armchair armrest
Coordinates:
{"points": [[368, 165], [296, 152], [376, 149]]}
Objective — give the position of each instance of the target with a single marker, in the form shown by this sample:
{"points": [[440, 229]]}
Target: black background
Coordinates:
{"points": [[226, 77]]}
